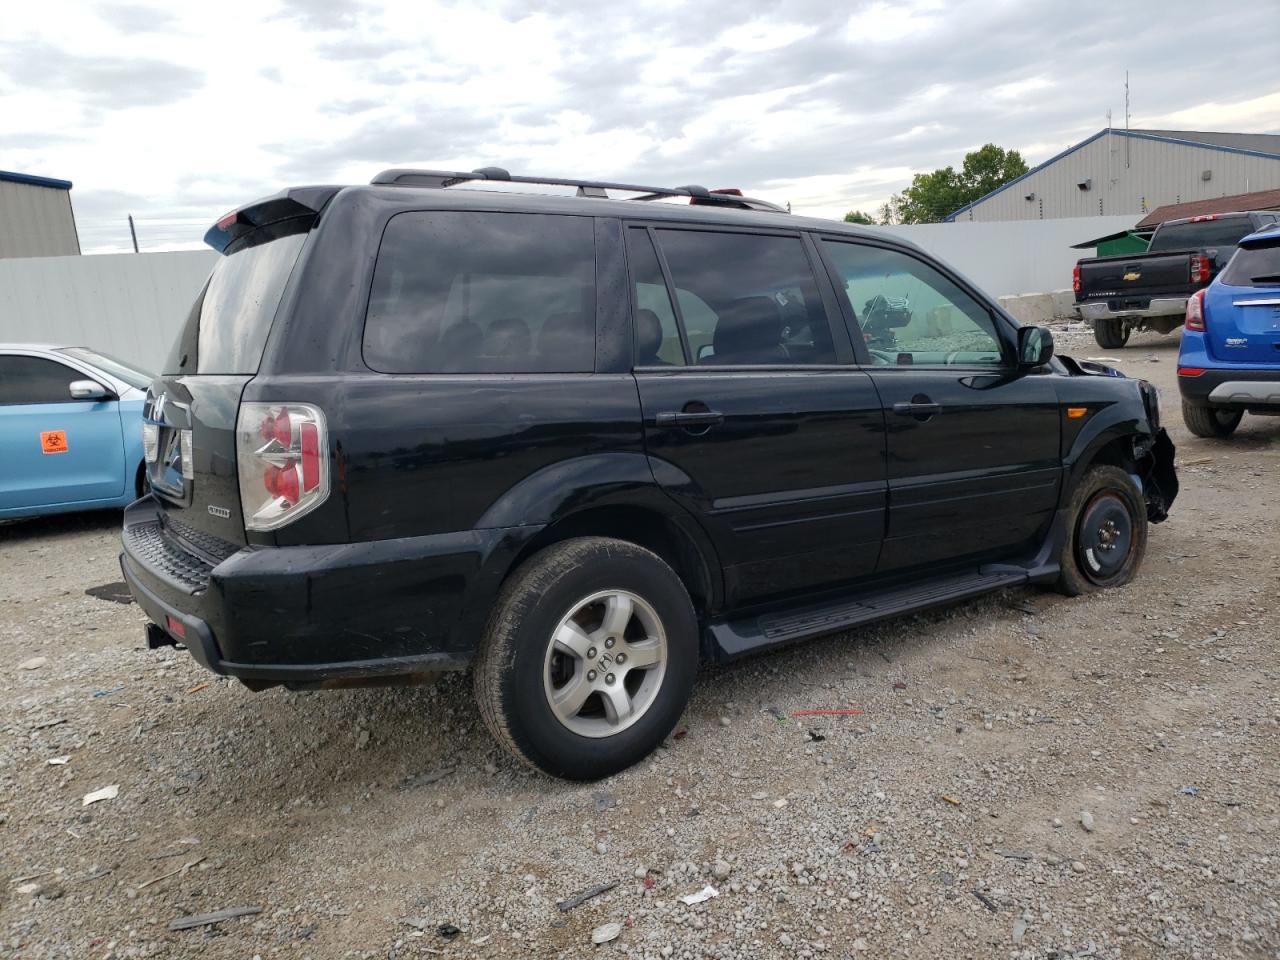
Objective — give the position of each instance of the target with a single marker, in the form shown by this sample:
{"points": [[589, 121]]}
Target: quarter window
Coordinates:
{"points": [[35, 380], [909, 314], [457, 292], [746, 299]]}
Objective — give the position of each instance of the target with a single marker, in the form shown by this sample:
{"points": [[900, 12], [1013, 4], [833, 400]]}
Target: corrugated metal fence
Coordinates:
{"points": [[131, 305]]}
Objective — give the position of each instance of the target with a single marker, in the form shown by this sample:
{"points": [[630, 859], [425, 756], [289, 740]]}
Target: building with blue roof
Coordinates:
{"points": [[1121, 172], [36, 218]]}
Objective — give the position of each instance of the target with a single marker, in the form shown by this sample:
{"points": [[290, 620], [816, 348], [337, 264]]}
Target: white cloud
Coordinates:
{"points": [[177, 112]]}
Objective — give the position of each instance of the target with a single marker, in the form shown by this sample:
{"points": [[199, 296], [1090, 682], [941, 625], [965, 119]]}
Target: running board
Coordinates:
{"points": [[735, 638]]}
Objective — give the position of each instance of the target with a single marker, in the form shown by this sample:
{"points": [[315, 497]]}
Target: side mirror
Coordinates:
{"points": [[1035, 347], [90, 390]]}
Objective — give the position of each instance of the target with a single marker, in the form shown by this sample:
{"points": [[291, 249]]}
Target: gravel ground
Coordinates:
{"points": [[1031, 776]]}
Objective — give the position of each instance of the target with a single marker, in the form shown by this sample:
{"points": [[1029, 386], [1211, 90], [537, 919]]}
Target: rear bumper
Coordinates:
{"points": [[309, 614], [1234, 387], [1091, 310]]}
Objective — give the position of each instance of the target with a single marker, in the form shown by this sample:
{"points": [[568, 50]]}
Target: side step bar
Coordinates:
{"points": [[735, 638]]}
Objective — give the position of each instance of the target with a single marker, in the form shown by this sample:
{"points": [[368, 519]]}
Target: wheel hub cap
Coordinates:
{"points": [[1105, 536], [604, 664]]}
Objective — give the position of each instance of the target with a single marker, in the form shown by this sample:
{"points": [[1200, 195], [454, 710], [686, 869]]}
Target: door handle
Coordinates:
{"points": [[919, 406], [685, 420]]}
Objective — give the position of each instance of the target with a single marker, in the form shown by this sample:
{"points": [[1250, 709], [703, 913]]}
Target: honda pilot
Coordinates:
{"points": [[577, 443]]}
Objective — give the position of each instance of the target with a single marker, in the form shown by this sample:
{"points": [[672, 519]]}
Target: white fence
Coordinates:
{"points": [[1015, 256], [128, 305], [131, 305]]}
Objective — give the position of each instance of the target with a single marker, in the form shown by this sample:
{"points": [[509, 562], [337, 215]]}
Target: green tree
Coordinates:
{"points": [[933, 196], [857, 216]]}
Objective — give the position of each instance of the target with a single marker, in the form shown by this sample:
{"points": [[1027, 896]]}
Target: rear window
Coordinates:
{"points": [[464, 292], [1254, 267], [227, 328], [1225, 232]]}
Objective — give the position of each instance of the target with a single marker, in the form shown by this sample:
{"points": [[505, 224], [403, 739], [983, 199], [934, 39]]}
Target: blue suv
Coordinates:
{"points": [[1229, 361]]}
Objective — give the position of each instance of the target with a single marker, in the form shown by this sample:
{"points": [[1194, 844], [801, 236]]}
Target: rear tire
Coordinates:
{"points": [[1111, 334], [1210, 422], [1107, 536], [588, 659]]}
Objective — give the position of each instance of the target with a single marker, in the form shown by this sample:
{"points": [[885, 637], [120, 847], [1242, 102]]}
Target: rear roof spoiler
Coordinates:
{"points": [[288, 204]]}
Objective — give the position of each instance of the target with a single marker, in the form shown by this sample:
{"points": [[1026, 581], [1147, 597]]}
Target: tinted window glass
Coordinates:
{"points": [[909, 313], [1255, 266], [1226, 232], [657, 336], [747, 299], [458, 292], [227, 329], [35, 380]]}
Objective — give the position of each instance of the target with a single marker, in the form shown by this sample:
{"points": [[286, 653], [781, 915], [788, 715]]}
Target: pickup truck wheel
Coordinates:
{"points": [[1108, 533], [1111, 334], [589, 658], [1210, 422]]}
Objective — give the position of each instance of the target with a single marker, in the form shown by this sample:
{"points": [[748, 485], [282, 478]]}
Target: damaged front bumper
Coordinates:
{"points": [[1154, 455]]}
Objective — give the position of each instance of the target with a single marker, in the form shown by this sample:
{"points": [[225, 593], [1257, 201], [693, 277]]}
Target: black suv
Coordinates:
{"points": [[577, 443]]}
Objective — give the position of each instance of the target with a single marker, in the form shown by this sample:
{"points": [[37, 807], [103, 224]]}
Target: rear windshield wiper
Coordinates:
{"points": [[1267, 278]]}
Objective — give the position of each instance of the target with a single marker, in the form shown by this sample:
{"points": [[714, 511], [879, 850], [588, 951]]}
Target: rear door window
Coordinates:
{"points": [[35, 380], [746, 299], [464, 292]]}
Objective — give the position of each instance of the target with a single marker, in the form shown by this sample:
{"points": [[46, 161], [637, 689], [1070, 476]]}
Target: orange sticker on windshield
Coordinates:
{"points": [[53, 441]]}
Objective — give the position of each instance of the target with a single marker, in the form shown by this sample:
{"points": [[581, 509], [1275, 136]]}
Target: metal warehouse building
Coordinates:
{"points": [[1133, 172], [36, 219]]}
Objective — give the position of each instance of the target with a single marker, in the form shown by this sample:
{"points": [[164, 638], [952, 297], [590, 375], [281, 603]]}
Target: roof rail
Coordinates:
{"points": [[405, 177]]}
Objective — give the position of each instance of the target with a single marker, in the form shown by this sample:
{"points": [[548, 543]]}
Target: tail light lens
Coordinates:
{"points": [[282, 455], [1194, 320], [1200, 268], [150, 441], [1075, 278]]}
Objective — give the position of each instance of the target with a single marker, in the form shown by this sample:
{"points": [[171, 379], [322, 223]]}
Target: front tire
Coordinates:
{"points": [[1210, 422], [588, 659], [1107, 536], [1111, 334]]}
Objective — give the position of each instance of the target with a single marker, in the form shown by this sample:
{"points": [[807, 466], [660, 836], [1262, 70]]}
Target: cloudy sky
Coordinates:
{"points": [[178, 111]]}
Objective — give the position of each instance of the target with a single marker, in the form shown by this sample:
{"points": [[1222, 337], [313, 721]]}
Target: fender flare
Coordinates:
{"points": [[563, 490]]}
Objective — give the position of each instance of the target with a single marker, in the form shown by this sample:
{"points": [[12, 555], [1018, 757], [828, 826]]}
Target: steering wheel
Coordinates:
{"points": [[882, 358]]}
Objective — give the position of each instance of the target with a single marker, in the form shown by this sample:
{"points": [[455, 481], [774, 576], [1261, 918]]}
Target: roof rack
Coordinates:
{"points": [[439, 179]]}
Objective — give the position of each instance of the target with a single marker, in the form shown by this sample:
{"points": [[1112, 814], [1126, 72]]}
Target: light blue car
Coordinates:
{"points": [[70, 430]]}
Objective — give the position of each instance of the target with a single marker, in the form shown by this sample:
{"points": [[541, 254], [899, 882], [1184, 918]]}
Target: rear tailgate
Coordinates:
{"points": [[191, 410], [1130, 282]]}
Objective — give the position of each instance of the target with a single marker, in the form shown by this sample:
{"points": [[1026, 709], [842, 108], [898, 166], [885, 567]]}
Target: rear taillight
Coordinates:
{"points": [[1075, 278], [1190, 371], [1194, 320], [282, 459], [1200, 268]]}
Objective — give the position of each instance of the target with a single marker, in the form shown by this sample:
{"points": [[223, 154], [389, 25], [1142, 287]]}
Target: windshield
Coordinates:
{"points": [[117, 368], [227, 328], [1199, 234]]}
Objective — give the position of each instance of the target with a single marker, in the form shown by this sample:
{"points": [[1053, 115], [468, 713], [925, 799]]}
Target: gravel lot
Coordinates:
{"points": [[1031, 776]]}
